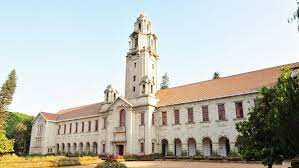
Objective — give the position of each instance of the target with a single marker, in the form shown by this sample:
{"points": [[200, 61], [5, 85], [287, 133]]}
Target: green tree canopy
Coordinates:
{"points": [[165, 81], [271, 132], [216, 75]]}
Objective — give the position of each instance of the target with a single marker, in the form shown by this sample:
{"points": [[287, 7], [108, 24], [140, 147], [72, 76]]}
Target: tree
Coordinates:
{"points": [[295, 16], [6, 95], [216, 75], [18, 127], [271, 132], [165, 81]]}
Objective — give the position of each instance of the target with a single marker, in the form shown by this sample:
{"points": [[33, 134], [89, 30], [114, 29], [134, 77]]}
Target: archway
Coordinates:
{"points": [[57, 148], [95, 148], [191, 147], [68, 148], [224, 147], [87, 150], [207, 147], [81, 148], [63, 148], [177, 147], [164, 147], [122, 118], [74, 148]]}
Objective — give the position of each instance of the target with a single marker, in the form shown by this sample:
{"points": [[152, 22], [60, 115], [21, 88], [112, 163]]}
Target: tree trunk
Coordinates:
{"points": [[270, 165]]}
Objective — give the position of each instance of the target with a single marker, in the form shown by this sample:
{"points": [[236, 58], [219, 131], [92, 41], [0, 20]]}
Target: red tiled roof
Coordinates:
{"points": [[49, 116], [226, 86]]}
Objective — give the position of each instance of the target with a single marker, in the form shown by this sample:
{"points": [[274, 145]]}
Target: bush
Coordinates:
{"points": [[215, 156], [111, 164], [234, 156]]}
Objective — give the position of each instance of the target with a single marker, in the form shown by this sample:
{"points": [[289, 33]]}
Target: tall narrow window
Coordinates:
{"points": [[107, 96], [70, 128], [135, 64], [153, 147], [104, 148], [176, 117], [142, 118], [164, 118], [190, 115], [221, 112], [136, 42], [89, 126], [153, 119], [152, 89], [134, 78], [76, 130], [143, 88], [205, 113], [142, 147], [64, 129], [96, 125], [122, 116], [134, 89], [82, 127], [239, 110], [58, 131], [104, 123]]}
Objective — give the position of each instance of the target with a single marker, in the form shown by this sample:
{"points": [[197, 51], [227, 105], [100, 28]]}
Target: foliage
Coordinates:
{"points": [[271, 132], [45, 161], [6, 95], [165, 81], [234, 156], [111, 164], [295, 16], [18, 127], [169, 153], [215, 156], [216, 75], [184, 153], [6, 145]]}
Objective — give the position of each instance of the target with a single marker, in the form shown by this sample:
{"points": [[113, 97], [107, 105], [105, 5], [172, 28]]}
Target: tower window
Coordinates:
{"points": [[152, 89], [153, 66], [107, 95], [136, 42], [143, 88], [134, 78], [139, 26], [134, 89], [114, 96], [135, 64]]}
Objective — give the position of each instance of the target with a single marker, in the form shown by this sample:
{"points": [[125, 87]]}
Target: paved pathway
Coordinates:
{"points": [[183, 164]]}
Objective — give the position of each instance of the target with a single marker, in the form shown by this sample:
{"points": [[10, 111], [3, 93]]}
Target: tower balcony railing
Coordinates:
{"points": [[119, 129]]}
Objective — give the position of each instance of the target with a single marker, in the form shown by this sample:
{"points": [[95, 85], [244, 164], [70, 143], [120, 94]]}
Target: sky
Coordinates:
{"points": [[67, 52]]}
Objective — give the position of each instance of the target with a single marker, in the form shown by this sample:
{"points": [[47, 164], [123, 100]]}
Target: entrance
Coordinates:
{"points": [[120, 150]]}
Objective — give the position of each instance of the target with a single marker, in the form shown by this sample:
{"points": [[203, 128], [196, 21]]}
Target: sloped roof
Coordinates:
{"points": [[225, 86]]}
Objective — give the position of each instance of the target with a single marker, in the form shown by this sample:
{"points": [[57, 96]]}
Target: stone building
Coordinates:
{"points": [[195, 118]]}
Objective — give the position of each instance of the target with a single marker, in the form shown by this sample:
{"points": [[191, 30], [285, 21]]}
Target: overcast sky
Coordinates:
{"points": [[67, 52]]}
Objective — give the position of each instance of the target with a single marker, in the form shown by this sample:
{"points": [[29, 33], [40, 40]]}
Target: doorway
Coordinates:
{"points": [[120, 150]]}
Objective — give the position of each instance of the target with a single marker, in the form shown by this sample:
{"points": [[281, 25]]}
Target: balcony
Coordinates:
{"points": [[119, 129]]}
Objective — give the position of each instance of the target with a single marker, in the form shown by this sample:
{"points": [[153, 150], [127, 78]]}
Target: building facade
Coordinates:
{"points": [[184, 120]]}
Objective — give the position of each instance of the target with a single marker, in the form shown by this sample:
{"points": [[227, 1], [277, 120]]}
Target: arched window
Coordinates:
{"points": [[122, 118]]}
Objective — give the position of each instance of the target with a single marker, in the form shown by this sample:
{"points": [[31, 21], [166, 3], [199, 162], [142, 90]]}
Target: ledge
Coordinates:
{"points": [[203, 122], [190, 123], [239, 119], [222, 120]]}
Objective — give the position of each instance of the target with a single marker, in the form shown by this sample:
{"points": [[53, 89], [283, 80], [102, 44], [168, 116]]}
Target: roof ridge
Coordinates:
{"points": [[64, 111], [194, 83]]}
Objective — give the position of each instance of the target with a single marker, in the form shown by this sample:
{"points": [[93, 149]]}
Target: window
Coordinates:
{"points": [[153, 147], [135, 64], [104, 123], [39, 130], [239, 109], [107, 96], [76, 130], [82, 127], [190, 115], [134, 89], [134, 78], [139, 26], [142, 147], [64, 129], [153, 66], [142, 118], [221, 111], [153, 119], [176, 117], [136, 42], [164, 118], [104, 148], [122, 117], [152, 89], [96, 125], [114, 96], [205, 113], [58, 131], [143, 88], [70, 128], [89, 126]]}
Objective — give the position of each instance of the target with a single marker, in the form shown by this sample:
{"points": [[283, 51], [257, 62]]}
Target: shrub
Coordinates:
{"points": [[215, 156], [184, 153], [170, 153], [234, 156], [111, 164]]}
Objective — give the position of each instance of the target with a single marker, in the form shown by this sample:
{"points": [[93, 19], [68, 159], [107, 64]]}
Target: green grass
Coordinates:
{"points": [[13, 161]]}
